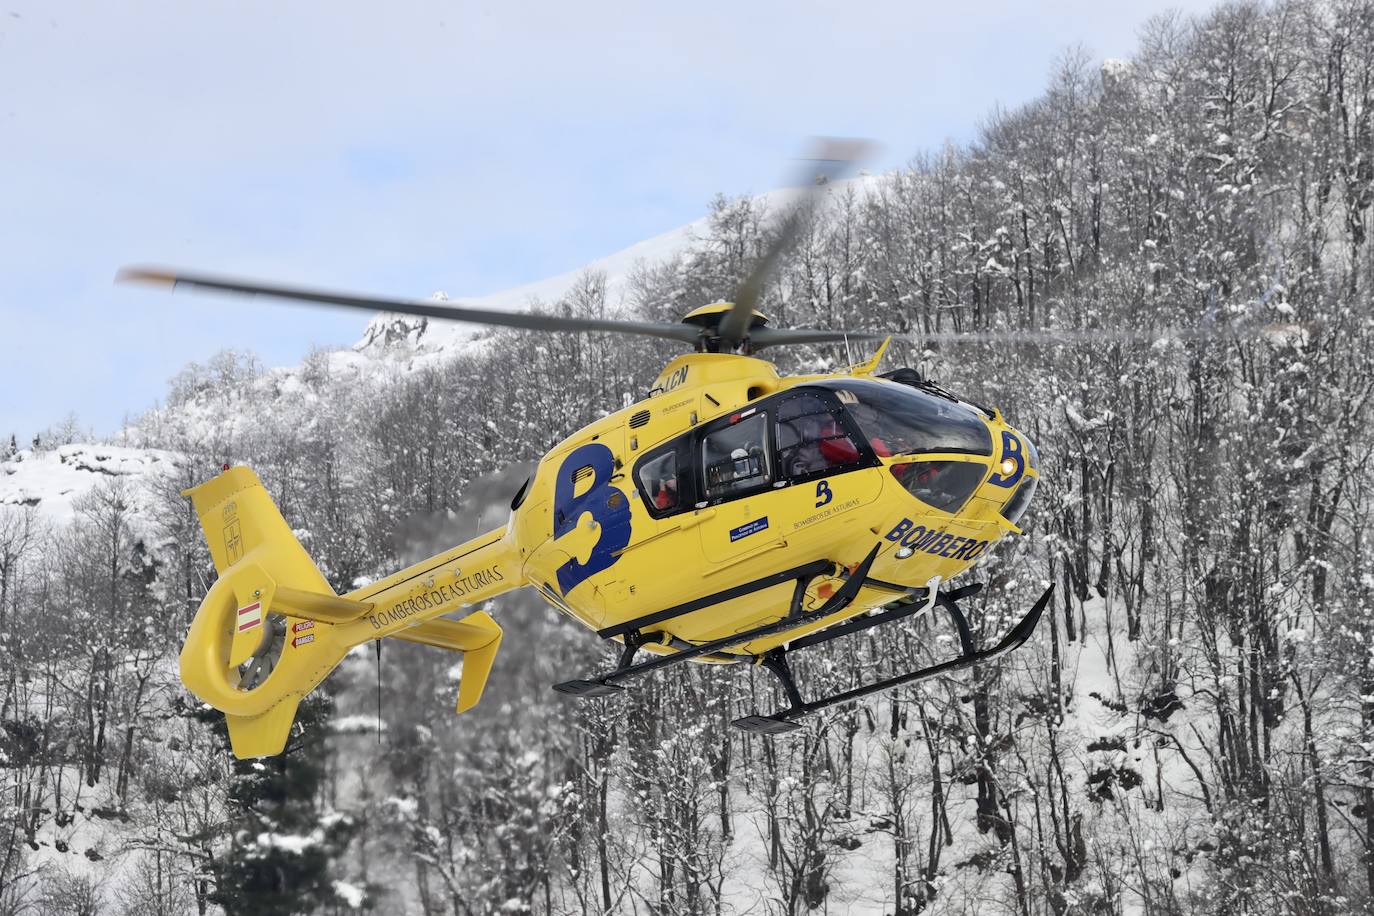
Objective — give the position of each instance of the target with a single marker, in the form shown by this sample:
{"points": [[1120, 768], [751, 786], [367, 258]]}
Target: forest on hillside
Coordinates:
{"points": [[1191, 731]]}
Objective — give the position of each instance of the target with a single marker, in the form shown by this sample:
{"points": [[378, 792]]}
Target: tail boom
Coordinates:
{"points": [[270, 594], [470, 573]]}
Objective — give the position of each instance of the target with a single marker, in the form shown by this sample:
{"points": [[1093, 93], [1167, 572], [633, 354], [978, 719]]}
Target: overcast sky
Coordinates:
{"points": [[413, 146]]}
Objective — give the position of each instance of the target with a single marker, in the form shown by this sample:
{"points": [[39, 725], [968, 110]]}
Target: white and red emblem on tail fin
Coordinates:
{"points": [[250, 616]]}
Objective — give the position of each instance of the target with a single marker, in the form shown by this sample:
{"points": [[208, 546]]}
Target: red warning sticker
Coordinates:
{"points": [[302, 626], [302, 640]]}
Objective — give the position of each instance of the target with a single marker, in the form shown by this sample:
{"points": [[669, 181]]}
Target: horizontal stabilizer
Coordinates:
{"points": [[319, 606], [477, 636]]}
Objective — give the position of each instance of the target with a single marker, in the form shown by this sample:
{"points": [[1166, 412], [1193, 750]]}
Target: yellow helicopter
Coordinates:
{"points": [[732, 516]]}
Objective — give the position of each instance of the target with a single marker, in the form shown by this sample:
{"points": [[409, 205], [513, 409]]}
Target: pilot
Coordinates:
{"points": [[824, 444], [873, 421]]}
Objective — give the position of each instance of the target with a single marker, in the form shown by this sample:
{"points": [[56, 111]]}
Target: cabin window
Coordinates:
{"points": [[812, 438], [897, 419], [944, 485], [735, 457], [658, 480]]}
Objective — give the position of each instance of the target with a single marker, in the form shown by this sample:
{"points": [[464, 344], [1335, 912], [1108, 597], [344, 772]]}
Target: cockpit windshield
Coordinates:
{"points": [[898, 419]]}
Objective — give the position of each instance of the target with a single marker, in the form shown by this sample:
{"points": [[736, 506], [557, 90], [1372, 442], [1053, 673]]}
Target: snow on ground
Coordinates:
{"points": [[53, 481], [352, 895], [1101, 730]]}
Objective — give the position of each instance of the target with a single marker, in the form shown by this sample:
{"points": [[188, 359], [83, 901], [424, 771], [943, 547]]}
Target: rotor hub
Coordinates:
{"points": [[709, 317]]}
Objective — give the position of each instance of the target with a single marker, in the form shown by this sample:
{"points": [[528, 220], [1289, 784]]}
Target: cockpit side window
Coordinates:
{"points": [[732, 456], [658, 480], [665, 480], [812, 438], [735, 457]]}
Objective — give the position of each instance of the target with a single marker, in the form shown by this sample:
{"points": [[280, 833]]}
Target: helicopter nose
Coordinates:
{"points": [[1020, 500]]}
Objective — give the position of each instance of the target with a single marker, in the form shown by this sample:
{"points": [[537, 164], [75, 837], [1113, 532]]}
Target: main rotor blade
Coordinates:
{"points": [[833, 158], [1247, 327], [774, 337], [427, 308]]}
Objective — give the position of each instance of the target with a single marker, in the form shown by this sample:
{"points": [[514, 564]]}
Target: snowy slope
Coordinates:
{"points": [[52, 481], [390, 330]]}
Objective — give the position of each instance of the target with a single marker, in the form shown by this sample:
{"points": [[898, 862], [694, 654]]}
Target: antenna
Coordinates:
{"points": [[379, 691]]}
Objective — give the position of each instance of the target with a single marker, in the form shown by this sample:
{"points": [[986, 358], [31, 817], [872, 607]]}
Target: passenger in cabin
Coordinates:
{"points": [[659, 478], [665, 493]]}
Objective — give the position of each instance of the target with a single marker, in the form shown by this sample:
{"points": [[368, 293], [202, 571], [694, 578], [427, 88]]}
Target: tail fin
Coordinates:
{"points": [[270, 628]]}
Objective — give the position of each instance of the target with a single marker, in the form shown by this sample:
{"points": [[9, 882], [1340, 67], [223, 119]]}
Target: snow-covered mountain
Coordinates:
{"points": [[426, 338], [1188, 731], [51, 481]]}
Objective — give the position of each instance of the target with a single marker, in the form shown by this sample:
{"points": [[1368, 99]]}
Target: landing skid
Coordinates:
{"points": [[776, 660], [635, 636], [639, 632]]}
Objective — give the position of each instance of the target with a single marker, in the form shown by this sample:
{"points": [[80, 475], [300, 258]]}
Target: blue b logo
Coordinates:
{"points": [[1011, 451], [607, 505]]}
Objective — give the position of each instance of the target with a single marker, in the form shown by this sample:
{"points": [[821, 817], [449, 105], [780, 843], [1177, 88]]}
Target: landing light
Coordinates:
{"points": [[1008, 466], [904, 552]]}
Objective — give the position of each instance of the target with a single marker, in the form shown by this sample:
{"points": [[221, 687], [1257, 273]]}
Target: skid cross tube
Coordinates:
{"points": [[634, 638], [919, 603], [968, 657], [856, 625]]}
